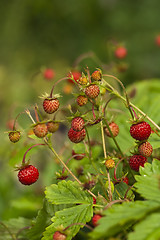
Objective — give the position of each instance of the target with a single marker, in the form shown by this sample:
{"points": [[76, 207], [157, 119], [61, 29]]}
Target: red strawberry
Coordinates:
{"points": [[114, 129], [77, 124], [79, 155], [126, 180], [52, 126], [145, 149], [14, 136], [96, 75], [40, 130], [92, 91], [75, 136], [94, 200], [120, 52], [95, 219], [82, 100], [157, 40], [75, 74], [136, 161], [50, 105], [59, 236], [49, 74], [140, 131], [28, 175]]}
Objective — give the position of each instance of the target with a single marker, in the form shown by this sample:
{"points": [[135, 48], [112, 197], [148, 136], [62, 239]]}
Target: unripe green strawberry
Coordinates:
{"points": [[95, 219], [92, 91], [52, 126], [50, 105], [59, 236], [114, 129], [110, 163], [77, 123], [136, 161], [82, 100], [140, 131], [14, 136], [75, 136], [40, 130], [96, 75], [145, 149], [28, 175]]}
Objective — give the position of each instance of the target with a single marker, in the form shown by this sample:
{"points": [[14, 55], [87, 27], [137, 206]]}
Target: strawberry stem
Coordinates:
{"points": [[23, 162], [14, 125], [65, 78], [30, 116], [8, 230], [36, 114]]}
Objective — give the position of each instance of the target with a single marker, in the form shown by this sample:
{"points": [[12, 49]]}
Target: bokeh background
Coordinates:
{"points": [[52, 34]]}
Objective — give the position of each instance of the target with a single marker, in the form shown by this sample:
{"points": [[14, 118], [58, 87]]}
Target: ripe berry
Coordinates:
{"points": [[96, 75], [120, 52], [75, 136], [50, 105], [77, 124], [79, 155], [49, 74], [126, 180], [140, 131], [28, 175], [52, 126], [94, 200], [95, 219], [40, 130], [110, 163], [59, 236], [114, 129], [136, 161], [82, 100], [157, 40], [82, 81], [145, 149], [75, 74], [92, 91], [14, 136]]}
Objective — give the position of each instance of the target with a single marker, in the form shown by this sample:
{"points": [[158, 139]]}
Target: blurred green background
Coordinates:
{"points": [[52, 34]]}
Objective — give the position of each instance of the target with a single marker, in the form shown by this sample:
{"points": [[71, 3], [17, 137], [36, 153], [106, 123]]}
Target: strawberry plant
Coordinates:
{"points": [[107, 183]]}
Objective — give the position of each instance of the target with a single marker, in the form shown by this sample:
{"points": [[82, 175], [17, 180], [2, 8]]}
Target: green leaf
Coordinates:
{"points": [[78, 214], [16, 226], [121, 216], [148, 185], [121, 190], [147, 229], [67, 193]]}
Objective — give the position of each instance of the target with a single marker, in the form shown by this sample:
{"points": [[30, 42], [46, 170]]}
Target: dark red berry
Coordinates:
{"points": [[94, 200], [92, 91], [126, 180], [136, 161], [95, 219], [28, 175], [40, 130], [75, 136], [50, 105], [77, 123], [140, 131]]}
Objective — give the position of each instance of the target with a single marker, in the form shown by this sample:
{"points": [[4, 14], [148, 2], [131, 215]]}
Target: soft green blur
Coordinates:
{"points": [[50, 33]]}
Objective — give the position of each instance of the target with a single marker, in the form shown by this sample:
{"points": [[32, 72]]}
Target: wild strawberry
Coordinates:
{"points": [[52, 126], [110, 163], [126, 180], [50, 105], [82, 100], [77, 124], [96, 75], [140, 131], [136, 161], [95, 219], [14, 136], [75, 74], [94, 200], [120, 52], [78, 156], [157, 40], [40, 130], [82, 81], [114, 129], [145, 149], [49, 74], [75, 136], [59, 236], [28, 175], [92, 91]]}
